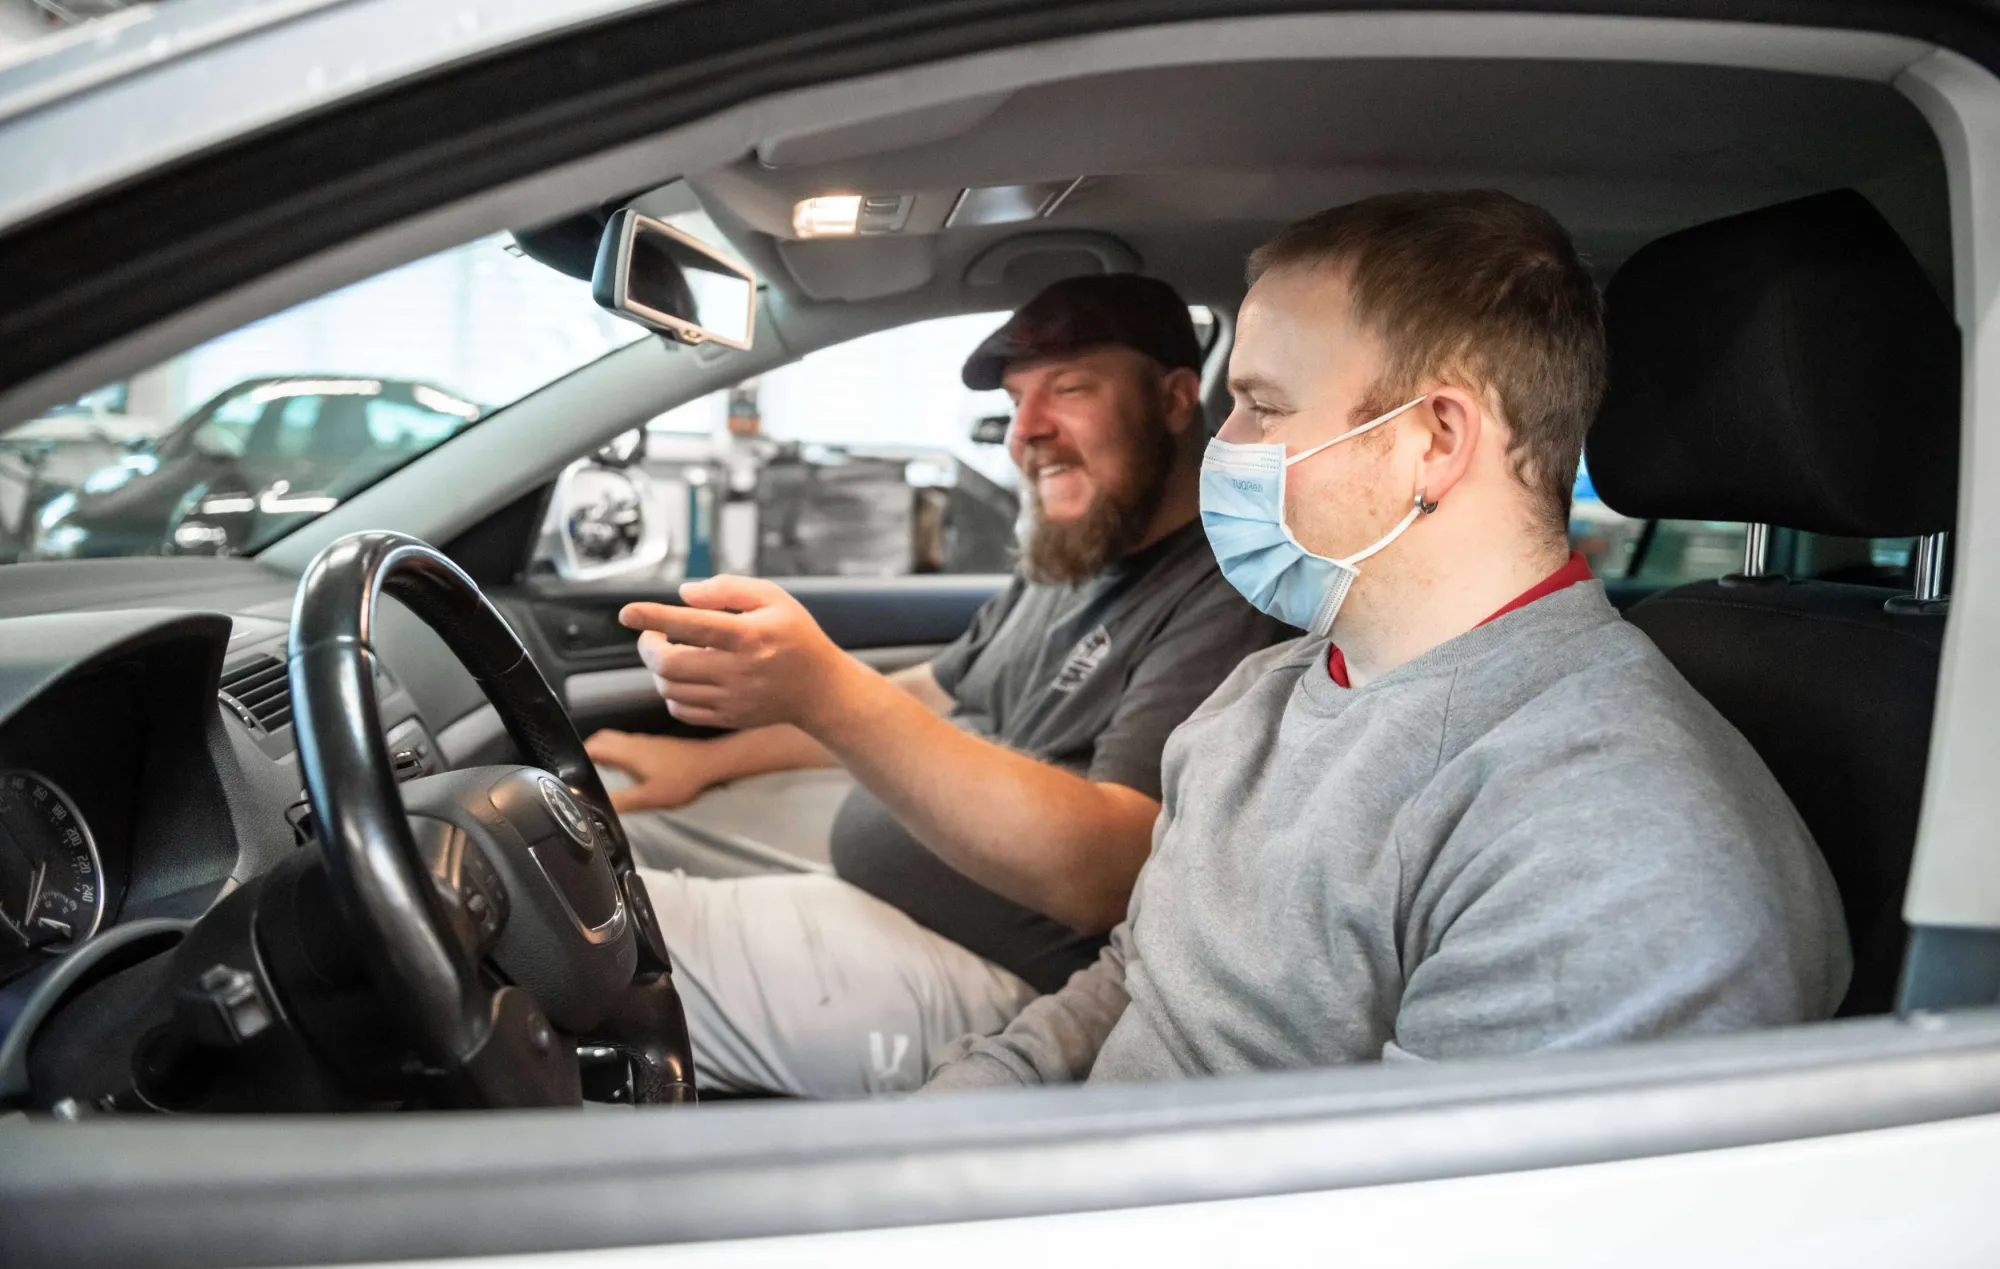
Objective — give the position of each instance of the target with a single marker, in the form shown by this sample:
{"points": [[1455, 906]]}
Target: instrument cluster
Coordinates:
{"points": [[69, 777]]}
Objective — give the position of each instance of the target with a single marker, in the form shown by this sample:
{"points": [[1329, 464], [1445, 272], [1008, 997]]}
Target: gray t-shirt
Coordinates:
{"points": [[1090, 677], [1534, 836]]}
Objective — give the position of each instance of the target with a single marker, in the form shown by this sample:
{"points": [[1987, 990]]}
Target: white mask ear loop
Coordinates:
{"points": [[1351, 433], [1422, 508]]}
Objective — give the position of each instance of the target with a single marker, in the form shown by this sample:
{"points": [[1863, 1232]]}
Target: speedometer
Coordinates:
{"points": [[51, 880]]}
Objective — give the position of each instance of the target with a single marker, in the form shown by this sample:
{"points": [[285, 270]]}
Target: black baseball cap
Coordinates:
{"points": [[1092, 311]]}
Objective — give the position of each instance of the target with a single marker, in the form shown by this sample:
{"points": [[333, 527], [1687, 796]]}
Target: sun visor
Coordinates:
{"points": [[1042, 258], [859, 268]]}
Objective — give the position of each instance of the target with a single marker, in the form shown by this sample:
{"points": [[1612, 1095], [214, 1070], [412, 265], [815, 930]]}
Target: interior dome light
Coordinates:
{"points": [[826, 216]]}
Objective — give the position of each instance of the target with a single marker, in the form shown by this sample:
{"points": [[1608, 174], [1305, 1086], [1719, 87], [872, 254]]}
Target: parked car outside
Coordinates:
{"points": [[247, 465], [43, 458]]}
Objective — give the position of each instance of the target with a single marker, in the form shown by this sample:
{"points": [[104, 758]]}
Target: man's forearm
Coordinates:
{"points": [[1055, 1040], [760, 750], [740, 652], [1046, 838]]}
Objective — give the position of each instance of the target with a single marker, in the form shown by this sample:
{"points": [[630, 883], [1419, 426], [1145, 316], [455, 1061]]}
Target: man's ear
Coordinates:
{"points": [[1180, 388], [1455, 420]]}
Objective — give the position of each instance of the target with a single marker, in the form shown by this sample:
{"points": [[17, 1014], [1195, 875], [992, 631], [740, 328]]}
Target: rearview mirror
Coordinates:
{"points": [[622, 450], [669, 281]]}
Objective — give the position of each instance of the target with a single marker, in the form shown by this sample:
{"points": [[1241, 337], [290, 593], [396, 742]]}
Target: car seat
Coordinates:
{"points": [[1795, 367], [340, 434]]}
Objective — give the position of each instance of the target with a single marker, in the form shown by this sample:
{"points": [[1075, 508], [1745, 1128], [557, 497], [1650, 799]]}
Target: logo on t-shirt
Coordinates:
{"points": [[1084, 659]]}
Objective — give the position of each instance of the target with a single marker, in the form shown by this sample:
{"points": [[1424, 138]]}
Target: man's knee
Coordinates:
{"points": [[805, 984]]}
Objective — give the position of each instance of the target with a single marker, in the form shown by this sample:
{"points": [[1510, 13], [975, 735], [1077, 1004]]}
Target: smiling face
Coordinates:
{"points": [[1301, 373], [1092, 442]]}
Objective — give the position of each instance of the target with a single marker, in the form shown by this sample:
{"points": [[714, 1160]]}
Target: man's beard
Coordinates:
{"points": [[1116, 521]]}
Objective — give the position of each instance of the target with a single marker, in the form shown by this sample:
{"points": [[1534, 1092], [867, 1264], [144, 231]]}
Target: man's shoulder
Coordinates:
{"points": [[1619, 789], [1615, 673], [1618, 724]]}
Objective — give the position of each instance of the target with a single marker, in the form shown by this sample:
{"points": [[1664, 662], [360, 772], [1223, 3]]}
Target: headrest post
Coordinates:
{"points": [[1928, 582], [1756, 550]]}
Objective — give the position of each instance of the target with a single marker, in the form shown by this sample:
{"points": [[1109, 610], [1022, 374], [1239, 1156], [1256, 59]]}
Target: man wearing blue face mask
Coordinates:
{"points": [[1472, 812]]}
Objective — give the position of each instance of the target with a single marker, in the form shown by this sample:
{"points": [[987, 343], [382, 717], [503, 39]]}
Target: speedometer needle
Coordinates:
{"points": [[35, 892], [45, 929]]}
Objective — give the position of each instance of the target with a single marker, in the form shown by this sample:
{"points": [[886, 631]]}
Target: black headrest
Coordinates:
{"points": [[1791, 366]]}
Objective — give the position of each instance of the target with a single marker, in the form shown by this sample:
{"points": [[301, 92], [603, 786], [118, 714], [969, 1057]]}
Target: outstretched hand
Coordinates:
{"points": [[667, 771], [741, 653]]}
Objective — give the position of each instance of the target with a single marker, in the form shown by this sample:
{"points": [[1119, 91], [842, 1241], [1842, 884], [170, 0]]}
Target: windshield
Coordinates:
{"points": [[231, 445]]}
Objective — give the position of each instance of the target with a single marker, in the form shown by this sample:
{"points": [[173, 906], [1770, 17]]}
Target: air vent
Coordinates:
{"points": [[259, 689]]}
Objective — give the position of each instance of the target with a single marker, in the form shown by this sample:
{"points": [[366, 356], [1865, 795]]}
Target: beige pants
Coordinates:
{"points": [[794, 981], [802, 984]]}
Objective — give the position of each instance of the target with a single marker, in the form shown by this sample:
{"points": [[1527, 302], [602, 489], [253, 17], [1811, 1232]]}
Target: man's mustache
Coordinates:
{"points": [[1033, 462]]}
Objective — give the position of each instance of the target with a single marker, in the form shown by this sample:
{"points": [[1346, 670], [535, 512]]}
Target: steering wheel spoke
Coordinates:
{"points": [[523, 876], [523, 1061], [475, 900]]}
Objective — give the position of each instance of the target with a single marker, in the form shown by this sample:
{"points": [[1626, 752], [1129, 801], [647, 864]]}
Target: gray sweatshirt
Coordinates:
{"points": [[1534, 836]]}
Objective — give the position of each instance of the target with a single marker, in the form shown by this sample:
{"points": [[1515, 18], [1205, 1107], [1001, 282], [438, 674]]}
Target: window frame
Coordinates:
{"points": [[522, 1182]]}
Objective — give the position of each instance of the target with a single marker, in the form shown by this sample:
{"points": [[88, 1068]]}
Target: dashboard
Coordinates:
{"points": [[147, 757]]}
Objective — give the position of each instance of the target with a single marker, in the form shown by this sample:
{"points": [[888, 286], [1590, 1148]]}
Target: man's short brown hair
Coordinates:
{"points": [[1480, 290]]}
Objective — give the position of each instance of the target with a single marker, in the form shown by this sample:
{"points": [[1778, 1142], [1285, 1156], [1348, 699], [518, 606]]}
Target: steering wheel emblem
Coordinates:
{"points": [[568, 814]]}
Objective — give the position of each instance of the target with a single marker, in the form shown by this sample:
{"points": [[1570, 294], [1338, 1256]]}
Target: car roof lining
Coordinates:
{"points": [[1191, 166]]}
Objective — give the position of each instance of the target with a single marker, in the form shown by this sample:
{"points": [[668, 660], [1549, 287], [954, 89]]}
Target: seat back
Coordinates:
{"points": [[1795, 367], [1835, 695]]}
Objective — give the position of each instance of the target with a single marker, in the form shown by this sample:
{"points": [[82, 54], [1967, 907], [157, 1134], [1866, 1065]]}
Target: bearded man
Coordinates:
{"points": [[1005, 791]]}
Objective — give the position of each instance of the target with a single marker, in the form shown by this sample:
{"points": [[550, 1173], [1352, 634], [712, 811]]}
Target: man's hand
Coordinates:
{"points": [[742, 653], [667, 771]]}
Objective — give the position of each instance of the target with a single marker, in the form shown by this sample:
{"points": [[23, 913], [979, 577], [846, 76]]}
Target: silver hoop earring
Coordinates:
{"points": [[1424, 506]]}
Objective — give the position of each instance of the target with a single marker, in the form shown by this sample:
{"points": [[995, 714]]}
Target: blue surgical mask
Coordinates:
{"points": [[1243, 511]]}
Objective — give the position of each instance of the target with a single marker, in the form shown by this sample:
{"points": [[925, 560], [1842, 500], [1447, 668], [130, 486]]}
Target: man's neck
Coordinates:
{"points": [[1412, 605], [1178, 507]]}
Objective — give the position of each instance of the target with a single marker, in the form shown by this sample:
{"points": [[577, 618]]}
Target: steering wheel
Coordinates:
{"points": [[498, 907]]}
